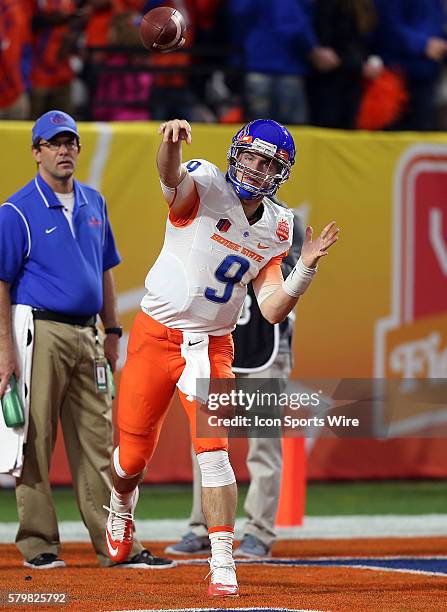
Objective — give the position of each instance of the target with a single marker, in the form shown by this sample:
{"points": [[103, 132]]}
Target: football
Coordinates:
{"points": [[163, 29]]}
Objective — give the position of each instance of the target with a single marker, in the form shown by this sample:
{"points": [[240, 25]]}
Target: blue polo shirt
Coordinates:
{"points": [[46, 264]]}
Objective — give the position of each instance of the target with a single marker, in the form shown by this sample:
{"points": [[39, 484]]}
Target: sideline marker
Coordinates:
{"points": [[292, 498]]}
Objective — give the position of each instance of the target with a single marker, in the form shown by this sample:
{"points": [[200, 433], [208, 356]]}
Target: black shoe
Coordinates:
{"points": [[45, 561], [252, 548], [190, 544], [144, 560]]}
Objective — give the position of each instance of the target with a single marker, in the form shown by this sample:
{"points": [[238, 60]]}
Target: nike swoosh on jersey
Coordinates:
{"points": [[194, 343], [48, 231], [262, 246]]}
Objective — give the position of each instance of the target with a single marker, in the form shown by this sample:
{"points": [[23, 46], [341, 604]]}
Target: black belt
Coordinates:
{"points": [[58, 317]]}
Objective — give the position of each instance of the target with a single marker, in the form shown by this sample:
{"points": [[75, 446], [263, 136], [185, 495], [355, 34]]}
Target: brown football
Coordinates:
{"points": [[163, 29]]}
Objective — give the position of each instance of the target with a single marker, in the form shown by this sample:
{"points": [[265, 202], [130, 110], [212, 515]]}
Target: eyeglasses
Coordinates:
{"points": [[71, 145]]}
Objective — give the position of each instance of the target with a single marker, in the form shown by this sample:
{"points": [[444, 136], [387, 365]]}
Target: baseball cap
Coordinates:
{"points": [[51, 123]]}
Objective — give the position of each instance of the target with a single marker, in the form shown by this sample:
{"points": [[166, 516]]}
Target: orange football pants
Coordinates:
{"points": [[154, 365]]}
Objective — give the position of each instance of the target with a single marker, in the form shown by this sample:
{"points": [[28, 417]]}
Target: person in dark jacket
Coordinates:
{"points": [[412, 40], [344, 26], [279, 45]]}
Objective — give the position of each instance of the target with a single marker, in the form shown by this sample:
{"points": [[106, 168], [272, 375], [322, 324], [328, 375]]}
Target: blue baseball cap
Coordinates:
{"points": [[51, 123]]}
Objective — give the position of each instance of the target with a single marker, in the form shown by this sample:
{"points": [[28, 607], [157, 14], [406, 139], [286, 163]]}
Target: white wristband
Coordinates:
{"points": [[299, 279]]}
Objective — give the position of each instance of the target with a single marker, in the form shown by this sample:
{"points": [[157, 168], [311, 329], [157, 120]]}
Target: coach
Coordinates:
{"points": [[57, 252]]}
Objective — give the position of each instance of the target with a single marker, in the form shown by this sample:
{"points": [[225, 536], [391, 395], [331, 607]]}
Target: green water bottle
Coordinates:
{"points": [[12, 405], [110, 381]]}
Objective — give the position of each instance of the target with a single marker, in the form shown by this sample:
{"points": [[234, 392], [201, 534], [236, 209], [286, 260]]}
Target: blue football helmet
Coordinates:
{"points": [[269, 139]]}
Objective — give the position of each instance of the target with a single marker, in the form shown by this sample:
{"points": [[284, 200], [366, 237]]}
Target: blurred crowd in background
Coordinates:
{"points": [[372, 64]]}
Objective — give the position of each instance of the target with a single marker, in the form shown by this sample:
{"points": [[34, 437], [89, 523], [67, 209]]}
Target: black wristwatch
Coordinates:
{"points": [[114, 330]]}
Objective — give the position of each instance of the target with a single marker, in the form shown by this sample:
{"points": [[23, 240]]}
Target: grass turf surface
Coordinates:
{"points": [[323, 499]]}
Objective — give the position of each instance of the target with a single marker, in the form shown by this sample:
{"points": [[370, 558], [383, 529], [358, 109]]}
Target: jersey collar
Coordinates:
{"points": [[51, 200]]}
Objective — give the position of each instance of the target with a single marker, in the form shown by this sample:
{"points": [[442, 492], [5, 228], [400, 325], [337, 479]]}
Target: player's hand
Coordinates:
{"points": [[175, 130], [312, 250]]}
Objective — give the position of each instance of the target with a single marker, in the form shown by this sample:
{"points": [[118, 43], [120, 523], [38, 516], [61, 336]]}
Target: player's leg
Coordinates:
{"points": [[219, 500], [197, 521], [133, 449], [145, 392], [219, 490]]}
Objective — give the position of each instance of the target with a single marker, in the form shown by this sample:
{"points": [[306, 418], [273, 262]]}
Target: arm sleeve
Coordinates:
{"points": [[110, 255], [14, 242]]}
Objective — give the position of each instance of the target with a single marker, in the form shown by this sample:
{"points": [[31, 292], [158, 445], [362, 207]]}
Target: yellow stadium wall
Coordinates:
{"points": [[352, 319]]}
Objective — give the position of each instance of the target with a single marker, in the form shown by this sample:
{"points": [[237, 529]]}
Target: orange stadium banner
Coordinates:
{"points": [[378, 307]]}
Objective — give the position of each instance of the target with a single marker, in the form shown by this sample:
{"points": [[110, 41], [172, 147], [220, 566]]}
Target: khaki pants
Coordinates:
{"points": [[264, 461], [63, 386]]}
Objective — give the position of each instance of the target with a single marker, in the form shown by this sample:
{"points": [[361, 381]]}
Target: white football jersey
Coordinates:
{"points": [[199, 281]]}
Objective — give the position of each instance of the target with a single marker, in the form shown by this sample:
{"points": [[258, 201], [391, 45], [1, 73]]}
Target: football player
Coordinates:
{"points": [[221, 233]]}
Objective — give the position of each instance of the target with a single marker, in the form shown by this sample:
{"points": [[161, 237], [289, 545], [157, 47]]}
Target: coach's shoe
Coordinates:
{"points": [[190, 544], [119, 531], [252, 547], [44, 561], [223, 582], [144, 560]]}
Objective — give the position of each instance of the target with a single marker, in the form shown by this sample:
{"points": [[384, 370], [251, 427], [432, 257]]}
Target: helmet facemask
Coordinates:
{"points": [[267, 183]]}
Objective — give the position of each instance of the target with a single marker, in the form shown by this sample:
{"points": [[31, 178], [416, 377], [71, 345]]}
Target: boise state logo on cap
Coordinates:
{"points": [[58, 118], [52, 123]]}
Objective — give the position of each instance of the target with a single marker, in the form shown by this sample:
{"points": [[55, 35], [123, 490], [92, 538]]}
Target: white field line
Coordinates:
{"points": [[222, 610], [315, 527]]}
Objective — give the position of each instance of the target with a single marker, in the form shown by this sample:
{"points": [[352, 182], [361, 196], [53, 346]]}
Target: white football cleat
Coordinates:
{"points": [[223, 581]]}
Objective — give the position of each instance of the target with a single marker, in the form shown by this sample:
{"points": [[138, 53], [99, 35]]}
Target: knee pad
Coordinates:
{"points": [[215, 468]]}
